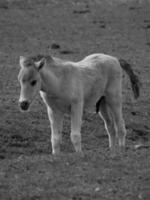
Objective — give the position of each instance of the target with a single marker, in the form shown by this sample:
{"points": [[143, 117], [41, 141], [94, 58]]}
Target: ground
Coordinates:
{"points": [[71, 30]]}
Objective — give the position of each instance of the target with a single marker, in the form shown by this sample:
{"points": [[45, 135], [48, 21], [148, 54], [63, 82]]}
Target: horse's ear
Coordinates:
{"points": [[40, 64], [21, 61]]}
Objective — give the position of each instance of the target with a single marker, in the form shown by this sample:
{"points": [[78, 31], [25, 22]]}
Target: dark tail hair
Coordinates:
{"points": [[135, 83]]}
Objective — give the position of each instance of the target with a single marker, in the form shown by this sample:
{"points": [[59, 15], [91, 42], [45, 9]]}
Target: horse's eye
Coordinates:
{"points": [[33, 82]]}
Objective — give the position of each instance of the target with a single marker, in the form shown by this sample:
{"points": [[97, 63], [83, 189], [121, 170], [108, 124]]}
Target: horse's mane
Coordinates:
{"points": [[30, 60], [35, 58], [38, 57]]}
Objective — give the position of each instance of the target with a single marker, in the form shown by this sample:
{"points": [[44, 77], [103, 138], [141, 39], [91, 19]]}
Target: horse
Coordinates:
{"points": [[93, 84]]}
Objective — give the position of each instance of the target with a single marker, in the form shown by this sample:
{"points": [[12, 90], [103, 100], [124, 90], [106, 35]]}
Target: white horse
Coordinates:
{"points": [[93, 84]]}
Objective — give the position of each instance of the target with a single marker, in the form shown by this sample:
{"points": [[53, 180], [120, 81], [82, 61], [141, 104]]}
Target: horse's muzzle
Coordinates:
{"points": [[24, 105]]}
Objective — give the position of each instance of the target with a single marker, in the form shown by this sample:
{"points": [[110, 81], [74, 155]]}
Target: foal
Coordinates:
{"points": [[93, 84]]}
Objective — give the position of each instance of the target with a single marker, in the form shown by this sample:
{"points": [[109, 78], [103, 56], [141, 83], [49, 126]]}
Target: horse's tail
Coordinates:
{"points": [[135, 83]]}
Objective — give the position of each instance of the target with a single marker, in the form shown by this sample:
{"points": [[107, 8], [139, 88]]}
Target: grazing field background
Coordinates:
{"points": [[71, 30]]}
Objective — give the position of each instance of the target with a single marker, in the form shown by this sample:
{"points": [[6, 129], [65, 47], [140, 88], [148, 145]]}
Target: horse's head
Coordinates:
{"points": [[30, 80]]}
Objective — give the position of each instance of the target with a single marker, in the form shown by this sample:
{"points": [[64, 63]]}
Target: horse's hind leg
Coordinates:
{"points": [[109, 124], [115, 104]]}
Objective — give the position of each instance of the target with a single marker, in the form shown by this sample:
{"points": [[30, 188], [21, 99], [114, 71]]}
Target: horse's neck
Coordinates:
{"points": [[50, 81]]}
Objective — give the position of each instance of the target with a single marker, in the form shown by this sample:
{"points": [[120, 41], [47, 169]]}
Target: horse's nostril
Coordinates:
{"points": [[24, 105]]}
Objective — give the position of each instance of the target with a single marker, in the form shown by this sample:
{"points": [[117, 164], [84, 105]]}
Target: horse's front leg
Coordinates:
{"points": [[76, 121], [56, 123]]}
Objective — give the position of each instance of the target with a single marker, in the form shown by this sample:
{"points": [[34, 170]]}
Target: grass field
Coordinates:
{"points": [[28, 171]]}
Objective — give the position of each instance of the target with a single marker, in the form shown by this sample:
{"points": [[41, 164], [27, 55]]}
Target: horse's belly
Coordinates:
{"points": [[90, 102]]}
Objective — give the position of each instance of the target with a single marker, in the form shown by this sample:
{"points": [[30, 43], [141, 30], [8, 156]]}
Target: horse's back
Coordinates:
{"points": [[100, 63], [99, 59]]}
